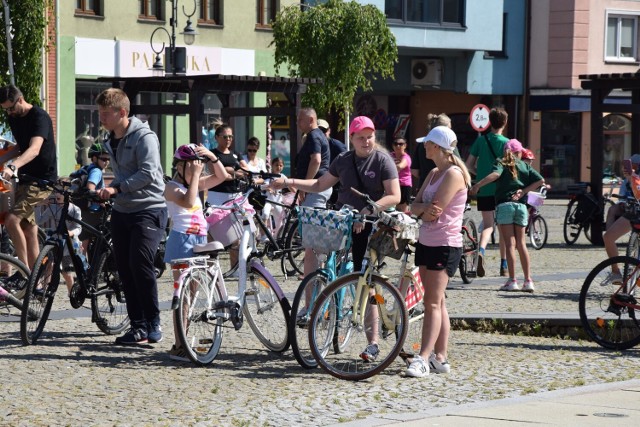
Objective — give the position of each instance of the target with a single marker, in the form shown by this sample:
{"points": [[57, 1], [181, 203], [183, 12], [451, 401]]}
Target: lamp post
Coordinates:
{"points": [[177, 55]]}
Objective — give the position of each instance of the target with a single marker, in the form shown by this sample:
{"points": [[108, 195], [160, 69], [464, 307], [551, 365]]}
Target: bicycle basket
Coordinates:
{"points": [[226, 225], [324, 230], [392, 233]]}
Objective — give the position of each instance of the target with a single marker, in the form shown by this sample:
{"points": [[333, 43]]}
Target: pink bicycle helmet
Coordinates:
{"points": [[186, 152]]}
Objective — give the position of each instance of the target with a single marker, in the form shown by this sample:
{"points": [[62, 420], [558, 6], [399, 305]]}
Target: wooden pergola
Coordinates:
{"points": [[601, 87], [197, 86]]}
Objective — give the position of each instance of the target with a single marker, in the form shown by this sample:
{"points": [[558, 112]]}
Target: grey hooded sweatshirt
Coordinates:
{"points": [[137, 169]]}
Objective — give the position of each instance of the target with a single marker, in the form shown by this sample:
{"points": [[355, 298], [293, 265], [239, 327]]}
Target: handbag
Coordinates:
{"points": [[325, 230]]}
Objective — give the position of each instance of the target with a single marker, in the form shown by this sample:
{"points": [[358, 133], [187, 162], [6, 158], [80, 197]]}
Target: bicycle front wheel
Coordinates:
{"points": [[608, 312], [538, 232], [41, 289], [108, 303], [199, 333], [268, 316], [633, 247], [295, 251], [382, 321], [570, 229]]}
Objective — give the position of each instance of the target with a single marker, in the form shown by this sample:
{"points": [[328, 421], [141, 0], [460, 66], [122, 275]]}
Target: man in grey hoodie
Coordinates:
{"points": [[139, 213]]}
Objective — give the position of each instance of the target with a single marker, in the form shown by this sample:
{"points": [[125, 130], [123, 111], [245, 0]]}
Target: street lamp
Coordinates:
{"points": [[176, 53]]}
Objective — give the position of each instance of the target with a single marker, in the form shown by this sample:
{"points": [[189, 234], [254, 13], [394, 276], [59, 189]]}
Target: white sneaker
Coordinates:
{"points": [[612, 279], [528, 286], [438, 367], [510, 286], [418, 368]]}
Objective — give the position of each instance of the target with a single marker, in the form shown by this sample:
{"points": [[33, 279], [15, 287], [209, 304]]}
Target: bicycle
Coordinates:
{"points": [[470, 248], [369, 298], [336, 264], [584, 207], [12, 266], [201, 303], [536, 225], [100, 281]]}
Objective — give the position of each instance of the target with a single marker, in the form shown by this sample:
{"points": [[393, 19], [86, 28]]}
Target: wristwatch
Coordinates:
{"points": [[13, 168]]}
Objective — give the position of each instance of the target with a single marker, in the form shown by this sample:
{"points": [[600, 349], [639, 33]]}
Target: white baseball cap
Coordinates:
{"points": [[443, 136]]}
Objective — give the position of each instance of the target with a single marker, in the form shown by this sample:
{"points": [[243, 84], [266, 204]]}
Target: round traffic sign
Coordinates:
{"points": [[479, 118]]}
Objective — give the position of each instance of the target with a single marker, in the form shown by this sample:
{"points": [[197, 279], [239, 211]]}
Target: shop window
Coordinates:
{"points": [[621, 38], [616, 144], [560, 149], [89, 7], [210, 12], [439, 12]]}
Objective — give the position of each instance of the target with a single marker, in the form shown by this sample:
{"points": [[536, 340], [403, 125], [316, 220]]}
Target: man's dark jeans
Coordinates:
{"points": [[135, 241]]}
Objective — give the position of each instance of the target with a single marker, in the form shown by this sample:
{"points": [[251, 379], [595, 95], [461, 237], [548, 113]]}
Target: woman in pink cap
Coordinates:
{"points": [[370, 170], [514, 179]]}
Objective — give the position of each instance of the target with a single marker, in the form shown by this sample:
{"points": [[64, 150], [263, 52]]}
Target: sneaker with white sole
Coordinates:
{"points": [[418, 368], [528, 286], [612, 279], [437, 366], [510, 286], [370, 353]]}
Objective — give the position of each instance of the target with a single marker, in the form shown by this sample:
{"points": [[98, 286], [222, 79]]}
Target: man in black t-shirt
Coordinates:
{"points": [[34, 154]]}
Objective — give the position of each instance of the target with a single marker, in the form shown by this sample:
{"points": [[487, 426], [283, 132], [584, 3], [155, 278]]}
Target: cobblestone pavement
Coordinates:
{"points": [[76, 376]]}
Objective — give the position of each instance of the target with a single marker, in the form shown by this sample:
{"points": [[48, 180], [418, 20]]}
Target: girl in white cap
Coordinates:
{"points": [[514, 179]]}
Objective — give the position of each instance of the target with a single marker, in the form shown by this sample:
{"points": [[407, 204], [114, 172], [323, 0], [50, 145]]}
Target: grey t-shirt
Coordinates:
{"points": [[373, 170]]}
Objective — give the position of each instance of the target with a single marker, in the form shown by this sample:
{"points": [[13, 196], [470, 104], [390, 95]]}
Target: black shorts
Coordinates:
{"points": [[438, 258], [405, 194], [486, 203]]}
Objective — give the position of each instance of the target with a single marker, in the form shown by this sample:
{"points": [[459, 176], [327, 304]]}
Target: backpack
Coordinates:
{"points": [[79, 180]]}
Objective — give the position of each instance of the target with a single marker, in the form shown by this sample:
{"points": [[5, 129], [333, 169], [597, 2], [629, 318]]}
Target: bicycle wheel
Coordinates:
{"points": [[301, 309], [389, 330], [607, 312], [12, 266], [228, 269], [268, 316], [108, 304], [538, 232], [41, 289], [296, 256], [633, 247], [469, 259], [198, 333], [570, 229]]}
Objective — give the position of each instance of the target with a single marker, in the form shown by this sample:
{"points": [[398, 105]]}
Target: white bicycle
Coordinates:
{"points": [[202, 304]]}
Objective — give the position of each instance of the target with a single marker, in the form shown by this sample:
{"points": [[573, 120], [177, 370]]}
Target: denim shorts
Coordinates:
{"points": [[317, 200], [512, 213], [180, 245]]}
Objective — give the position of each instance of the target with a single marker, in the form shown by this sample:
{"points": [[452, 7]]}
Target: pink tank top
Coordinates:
{"points": [[445, 231]]}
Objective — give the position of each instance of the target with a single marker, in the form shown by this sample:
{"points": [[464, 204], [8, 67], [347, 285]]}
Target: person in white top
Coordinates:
{"points": [[254, 163]]}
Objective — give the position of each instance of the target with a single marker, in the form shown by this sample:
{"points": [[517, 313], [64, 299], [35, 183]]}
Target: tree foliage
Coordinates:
{"points": [[345, 44], [28, 25]]}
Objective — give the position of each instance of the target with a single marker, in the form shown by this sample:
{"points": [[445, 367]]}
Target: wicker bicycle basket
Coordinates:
{"points": [[392, 233]]}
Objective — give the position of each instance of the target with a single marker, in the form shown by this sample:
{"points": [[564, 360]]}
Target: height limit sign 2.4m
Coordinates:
{"points": [[479, 118]]}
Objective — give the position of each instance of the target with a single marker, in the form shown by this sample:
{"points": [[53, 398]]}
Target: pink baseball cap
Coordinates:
{"points": [[513, 145], [359, 123]]}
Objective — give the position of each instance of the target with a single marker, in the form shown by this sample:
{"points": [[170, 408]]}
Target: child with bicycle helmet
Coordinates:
{"points": [[514, 179], [188, 226]]}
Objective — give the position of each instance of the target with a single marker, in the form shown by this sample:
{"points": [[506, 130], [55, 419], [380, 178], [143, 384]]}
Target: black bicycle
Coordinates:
{"points": [[99, 281], [584, 207]]}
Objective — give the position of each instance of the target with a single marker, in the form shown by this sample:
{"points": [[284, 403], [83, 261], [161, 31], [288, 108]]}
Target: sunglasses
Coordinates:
{"points": [[398, 144], [226, 136], [104, 159], [252, 151], [13, 107]]}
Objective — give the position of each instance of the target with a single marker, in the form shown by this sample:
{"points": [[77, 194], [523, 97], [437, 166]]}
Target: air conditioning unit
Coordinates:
{"points": [[426, 72]]}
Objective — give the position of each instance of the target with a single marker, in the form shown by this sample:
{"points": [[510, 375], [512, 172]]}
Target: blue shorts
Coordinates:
{"points": [[180, 245], [512, 213], [317, 200]]}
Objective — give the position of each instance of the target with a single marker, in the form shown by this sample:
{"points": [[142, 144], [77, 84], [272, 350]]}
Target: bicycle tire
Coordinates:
{"points": [[298, 325], [295, 251], [349, 365], [470, 247], [570, 229], [612, 326], [268, 316], [538, 232], [108, 305], [11, 265], [224, 259], [633, 247], [36, 307], [199, 335]]}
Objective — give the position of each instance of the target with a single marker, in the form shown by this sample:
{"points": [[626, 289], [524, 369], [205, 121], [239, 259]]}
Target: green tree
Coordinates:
{"points": [[28, 26], [345, 44]]}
